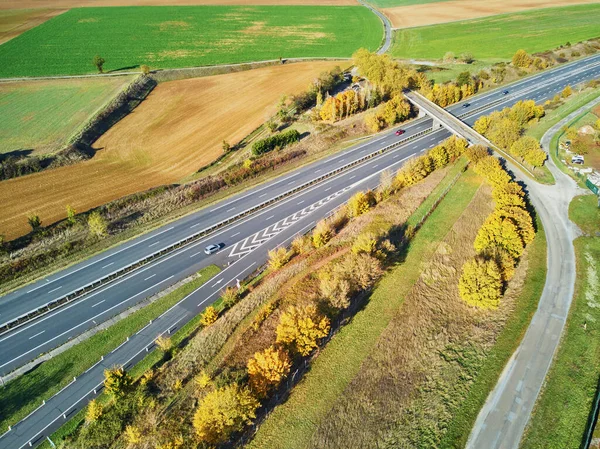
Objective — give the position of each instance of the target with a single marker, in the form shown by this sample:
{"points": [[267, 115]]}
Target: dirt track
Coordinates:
{"points": [[176, 130], [29, 4], [450, 11]]}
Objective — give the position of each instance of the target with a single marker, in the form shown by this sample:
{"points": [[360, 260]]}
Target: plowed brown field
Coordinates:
{"points": [[13, 23], [176, 130], [28, 4], [450, 11]]}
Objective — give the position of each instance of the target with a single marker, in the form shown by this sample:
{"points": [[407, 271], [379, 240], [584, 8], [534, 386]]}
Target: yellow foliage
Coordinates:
{"points": [[209, 316], [522, 219], [203, 380], [439, 156], [133, 435], [278, 258], [365, 243], [482, 124], [480, 284], [509, 194], [93, 412], [164, 343], [223, 412], [322, 234], [267, 369], [502, 232], [489, 167], [117, 382], [97, 224], [360, 203], [522, 59], [567, 92], [302, 327]]}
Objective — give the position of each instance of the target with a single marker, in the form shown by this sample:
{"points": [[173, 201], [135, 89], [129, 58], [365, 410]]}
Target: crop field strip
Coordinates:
{"points": [[29, 111], [186, 36], [175, 131], [499, 37], [22, 4], [16, 21]]}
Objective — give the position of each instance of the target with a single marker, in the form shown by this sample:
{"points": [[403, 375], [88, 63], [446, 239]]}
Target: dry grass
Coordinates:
{"points": [[451, 11], [15, 22], [175, 131], [23, 4]]}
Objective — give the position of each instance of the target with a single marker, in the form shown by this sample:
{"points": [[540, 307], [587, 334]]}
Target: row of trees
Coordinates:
{"points": [[505, 128], [277, 141], [501, 240], [96, 223], [452, 92]]}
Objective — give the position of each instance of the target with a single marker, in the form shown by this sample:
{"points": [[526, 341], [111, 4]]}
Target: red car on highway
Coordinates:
{"points": [[400, 132]]}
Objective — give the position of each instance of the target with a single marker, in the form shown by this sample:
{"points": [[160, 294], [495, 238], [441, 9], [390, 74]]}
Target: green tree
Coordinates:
{"points": [[272, 126], [463, 78], [99, 61], [224, 412], [145, 69], [226, 147], [480, 284], [34, 221], [97, 224], [71, 214]]}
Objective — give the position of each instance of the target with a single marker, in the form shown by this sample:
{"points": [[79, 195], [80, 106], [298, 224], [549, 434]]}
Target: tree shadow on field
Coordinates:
{"points": [[26, 389], [17, 154], [123, 68]]}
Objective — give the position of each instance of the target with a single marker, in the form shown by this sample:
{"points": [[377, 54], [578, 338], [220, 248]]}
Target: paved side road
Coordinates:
{"points": [[387, 28], [503, 418]]}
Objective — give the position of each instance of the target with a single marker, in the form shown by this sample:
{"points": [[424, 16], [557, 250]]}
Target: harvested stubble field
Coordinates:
{"points": [[430, 12], [175, 131], [187, 36], [42, 115], [498, 38], [17, 21]]}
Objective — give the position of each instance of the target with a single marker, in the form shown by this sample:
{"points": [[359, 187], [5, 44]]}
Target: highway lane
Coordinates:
{"points": [[24, 344], [53, 287], [44, 419]]}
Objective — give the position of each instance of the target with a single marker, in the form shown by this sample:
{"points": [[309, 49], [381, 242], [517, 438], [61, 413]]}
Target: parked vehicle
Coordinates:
{"points": [[577, 160]]}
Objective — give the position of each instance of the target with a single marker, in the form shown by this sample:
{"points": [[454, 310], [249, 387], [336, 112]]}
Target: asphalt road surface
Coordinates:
{"points": [[246, 245]]}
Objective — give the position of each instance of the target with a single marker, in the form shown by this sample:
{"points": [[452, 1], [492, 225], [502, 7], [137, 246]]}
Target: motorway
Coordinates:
{"points": [[246, 244]]}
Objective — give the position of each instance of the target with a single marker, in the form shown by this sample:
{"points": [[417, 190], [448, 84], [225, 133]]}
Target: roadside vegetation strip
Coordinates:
{"points": [[525, 305], [71, 296], [22, 395], [28, 110], [292, 424], [167, 37], [499, 37], [561, 414]]}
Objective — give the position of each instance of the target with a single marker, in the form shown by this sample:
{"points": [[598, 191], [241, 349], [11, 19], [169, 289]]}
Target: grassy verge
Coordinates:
{"points": [[292, 424], [26, 392], [584, 211], [508, 340]]}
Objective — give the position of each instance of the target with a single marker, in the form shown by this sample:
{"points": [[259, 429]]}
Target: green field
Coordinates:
{"points": [[185, 36], [499, 37], [42, 115]]}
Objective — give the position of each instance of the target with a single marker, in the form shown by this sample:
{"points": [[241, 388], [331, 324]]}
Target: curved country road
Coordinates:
{"points": [[503, 418], [387, 27]]}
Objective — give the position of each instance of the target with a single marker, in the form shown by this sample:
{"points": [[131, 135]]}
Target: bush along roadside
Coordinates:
{"points": [[211, 404], [501, 240]]}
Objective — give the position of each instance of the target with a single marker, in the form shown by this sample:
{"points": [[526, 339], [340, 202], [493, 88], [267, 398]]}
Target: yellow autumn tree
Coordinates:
{"points": [[97, 224], [501, 232], [509, 194], [480, 284], [267, 369], [223, 412], [489, 168], [522, 219], [278, 258], [93, 412], [133, 435], [360, 203], [522, 59], [209, 316], [366, 242], [439, 156], [302, 328], [322, 234], [117, 382], [482, 125], [567, 92]]}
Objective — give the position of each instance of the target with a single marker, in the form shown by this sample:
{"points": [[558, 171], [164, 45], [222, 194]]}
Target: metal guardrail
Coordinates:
{"points": [[75, 294]]}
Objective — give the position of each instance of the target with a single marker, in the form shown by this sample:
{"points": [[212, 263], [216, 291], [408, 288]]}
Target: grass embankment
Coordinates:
{"points": [[292, 424], [507, 342], [176, 36], [22, 395], [560, 416], [30, 121], [499, 37]]}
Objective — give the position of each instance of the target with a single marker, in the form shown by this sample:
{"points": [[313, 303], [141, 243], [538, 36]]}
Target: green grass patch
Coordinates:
{"points": [[25, 393], [185, 36], [561, 412], [584, 211], [507, 342], [449, 72], [499, 37], [29, 111], [292, 424]]}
